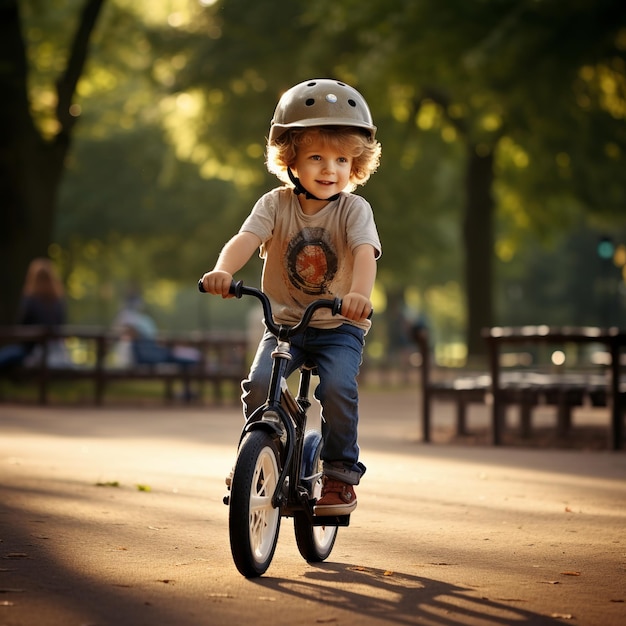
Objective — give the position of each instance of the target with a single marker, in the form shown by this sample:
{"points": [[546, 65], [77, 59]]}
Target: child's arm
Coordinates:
{"points": [[356, 304], [234, 255]]}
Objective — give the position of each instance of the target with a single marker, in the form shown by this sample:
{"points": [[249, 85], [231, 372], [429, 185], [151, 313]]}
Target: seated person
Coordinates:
{"points": [[42, 304], [139, 329]]}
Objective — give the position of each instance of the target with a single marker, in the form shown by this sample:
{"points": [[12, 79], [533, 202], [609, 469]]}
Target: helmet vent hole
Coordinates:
{"points": [[311, 84], [351, 102], [310, 102]]}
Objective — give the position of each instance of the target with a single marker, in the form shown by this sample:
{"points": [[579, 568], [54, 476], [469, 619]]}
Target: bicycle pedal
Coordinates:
{"points": [[330, 520], [226, 499]]}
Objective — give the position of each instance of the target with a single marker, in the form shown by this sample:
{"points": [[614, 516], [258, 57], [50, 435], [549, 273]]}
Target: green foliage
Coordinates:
{"points": [[573, 284], [177, 97]]}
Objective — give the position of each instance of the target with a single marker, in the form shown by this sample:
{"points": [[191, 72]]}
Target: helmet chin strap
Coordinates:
{"points": [[298, 189]]}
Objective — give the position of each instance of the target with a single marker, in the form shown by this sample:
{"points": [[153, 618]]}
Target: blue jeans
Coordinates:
{"points": [[337, 353]]}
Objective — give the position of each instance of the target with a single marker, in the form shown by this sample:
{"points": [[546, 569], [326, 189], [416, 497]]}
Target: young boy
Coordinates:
{"points": [[318, 240]]}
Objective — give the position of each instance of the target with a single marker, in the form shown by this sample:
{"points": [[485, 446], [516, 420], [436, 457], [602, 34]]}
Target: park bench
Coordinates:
{"points": [[596, 383], [528, 382], [90, 356]]}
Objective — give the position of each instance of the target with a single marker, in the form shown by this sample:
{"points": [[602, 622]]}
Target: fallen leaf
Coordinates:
{"points": [[388, 573], [570, 573], [568, 510], [110, 483], [144, 488]]}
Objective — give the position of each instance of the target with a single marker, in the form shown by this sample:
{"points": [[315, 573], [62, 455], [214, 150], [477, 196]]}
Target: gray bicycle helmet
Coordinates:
{"points": [[321, 102]]}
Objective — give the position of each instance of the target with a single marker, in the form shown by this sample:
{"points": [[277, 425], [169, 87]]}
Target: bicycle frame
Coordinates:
{"points": [[284, 415]]}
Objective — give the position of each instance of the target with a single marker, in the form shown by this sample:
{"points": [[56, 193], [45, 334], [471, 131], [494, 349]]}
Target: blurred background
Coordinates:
{"points": [[132, 147]]}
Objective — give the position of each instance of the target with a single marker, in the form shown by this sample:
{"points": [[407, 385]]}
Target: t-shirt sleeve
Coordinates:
{"points": [[362, 227], [262, 217]]}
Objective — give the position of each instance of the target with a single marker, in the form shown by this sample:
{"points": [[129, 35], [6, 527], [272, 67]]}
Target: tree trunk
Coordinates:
{"points": [[478, 241], [31, 167]]}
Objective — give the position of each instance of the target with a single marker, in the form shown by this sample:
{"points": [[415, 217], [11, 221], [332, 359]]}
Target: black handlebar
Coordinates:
{"points": [[238, 289]]}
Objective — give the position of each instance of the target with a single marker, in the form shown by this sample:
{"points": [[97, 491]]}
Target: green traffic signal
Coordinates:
{"points": [[606, 248]]}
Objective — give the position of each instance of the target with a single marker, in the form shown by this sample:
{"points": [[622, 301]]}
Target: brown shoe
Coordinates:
{"points": [[338, 498]]}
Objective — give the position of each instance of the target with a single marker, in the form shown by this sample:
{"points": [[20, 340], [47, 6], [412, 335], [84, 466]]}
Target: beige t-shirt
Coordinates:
{"points": [[307, 257]]}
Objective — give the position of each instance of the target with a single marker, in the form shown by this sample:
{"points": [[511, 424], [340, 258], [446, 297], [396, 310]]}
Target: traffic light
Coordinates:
{"points": [[606, 248]]}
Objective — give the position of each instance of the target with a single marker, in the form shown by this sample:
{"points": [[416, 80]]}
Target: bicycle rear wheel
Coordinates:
{"points": [[315, 543], [253, 522]]}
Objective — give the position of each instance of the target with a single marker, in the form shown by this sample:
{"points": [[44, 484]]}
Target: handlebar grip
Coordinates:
{"points": [[338, 303], [235, 288]]}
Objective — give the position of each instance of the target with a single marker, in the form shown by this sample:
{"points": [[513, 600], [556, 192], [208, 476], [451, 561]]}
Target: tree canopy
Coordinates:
{"points": [[134, 135]]}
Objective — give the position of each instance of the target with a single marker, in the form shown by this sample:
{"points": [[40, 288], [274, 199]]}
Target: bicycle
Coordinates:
{"points": [[278, 471]]}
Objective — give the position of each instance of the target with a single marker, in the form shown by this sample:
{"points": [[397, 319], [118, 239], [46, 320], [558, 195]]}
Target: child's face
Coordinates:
{"points": [[322, 169]]}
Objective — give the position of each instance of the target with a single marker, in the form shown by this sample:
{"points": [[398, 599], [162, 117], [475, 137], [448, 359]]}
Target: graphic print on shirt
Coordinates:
{"points": [[311, 261]]}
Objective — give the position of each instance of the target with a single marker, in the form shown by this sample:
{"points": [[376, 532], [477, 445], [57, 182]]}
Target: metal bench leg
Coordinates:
{"points": [[426, 408], [461, 415], [169, 391], [526, 415], [564, 415], [498, 415]]}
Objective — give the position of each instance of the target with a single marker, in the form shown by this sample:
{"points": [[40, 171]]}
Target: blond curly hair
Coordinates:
{"points": [[351, 141]]}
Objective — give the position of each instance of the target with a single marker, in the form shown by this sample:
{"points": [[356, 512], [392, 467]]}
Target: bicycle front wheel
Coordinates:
{"points": [[253, 522], [315, 543]]}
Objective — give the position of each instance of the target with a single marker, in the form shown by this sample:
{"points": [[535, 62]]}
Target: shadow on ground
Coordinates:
{"points": [[400, 598]]}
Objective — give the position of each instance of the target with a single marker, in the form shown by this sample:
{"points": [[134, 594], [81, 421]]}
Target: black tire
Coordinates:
{"points": [[315, 543], [253, 522]]}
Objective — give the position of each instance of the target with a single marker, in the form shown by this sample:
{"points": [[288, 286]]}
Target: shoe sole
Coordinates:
{"points": [[334, 509]]}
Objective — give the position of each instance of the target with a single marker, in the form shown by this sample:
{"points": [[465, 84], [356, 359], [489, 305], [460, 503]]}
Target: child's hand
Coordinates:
{"points": [[218, 283], [355, 306]]}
